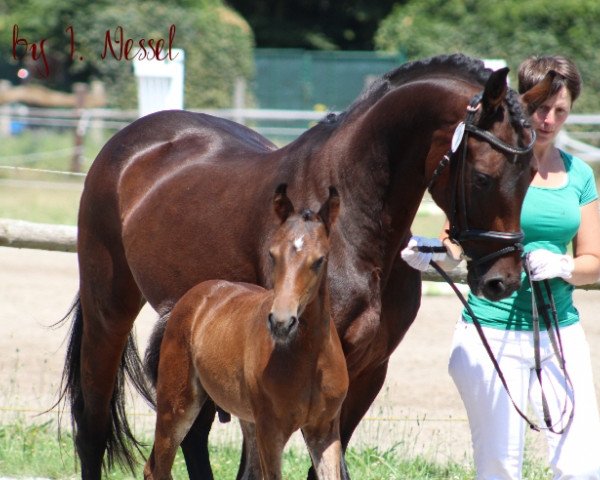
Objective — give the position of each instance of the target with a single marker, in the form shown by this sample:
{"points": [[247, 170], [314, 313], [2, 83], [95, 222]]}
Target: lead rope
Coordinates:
{"points": [[556, 344], [552, 327]]}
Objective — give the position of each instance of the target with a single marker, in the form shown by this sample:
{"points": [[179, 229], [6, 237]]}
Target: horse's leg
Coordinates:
{"points": [[325, 448], [362, 392], [98, 357], [195, 444], [250, 461], [179, 399]]}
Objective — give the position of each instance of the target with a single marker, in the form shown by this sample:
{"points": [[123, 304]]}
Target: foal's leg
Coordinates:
{"points": [[361, 394], [325, 448], [271, 440], [179, 397], [250, 461]]}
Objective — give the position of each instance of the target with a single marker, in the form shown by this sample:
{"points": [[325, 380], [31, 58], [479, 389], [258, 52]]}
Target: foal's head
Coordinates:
{"points": [[299, 252]]}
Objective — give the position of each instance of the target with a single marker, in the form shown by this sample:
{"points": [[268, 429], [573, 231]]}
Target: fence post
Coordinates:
{"points": [[97, 122], [239, 99], [5, 85], [80, 91]]}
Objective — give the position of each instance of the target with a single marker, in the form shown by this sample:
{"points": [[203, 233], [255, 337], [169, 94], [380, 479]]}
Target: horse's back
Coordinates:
{"points": [[171, 186]]}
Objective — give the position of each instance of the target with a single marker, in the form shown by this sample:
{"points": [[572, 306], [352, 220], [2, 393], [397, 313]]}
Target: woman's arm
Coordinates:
{"points": [[586, 246], [454, 250]]}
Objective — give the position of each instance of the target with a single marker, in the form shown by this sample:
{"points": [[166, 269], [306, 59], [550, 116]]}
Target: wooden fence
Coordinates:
{"points": [[63, 238]]}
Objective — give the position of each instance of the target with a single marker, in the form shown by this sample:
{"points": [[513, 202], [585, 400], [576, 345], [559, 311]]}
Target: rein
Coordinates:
{"points": [[459, 142], [552, 328]]}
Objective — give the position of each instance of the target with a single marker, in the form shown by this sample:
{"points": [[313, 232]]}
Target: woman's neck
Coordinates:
{"points": [[550, 167]]}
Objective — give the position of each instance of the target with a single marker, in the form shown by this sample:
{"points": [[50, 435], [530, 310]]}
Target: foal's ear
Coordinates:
{"points": [[540, 92], [495, 90], [330, 209], [282, 204]]}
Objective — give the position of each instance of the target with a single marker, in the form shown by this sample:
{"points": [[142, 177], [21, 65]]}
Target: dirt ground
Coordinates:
{"points": [[418, 411]]}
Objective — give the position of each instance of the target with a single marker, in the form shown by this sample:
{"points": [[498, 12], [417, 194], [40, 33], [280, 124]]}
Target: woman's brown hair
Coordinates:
{"points": [[533, 70]]}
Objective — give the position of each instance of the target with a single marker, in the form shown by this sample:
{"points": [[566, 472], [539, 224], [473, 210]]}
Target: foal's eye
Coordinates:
{"points": [[318, 263], [481, 180]]}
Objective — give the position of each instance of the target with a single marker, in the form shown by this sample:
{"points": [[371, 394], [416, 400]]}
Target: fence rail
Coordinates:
{"points": [[63, 238], [270, 122]]}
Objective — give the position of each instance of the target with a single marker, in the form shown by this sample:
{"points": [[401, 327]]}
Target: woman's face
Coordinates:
{"points": [[550, 116]]}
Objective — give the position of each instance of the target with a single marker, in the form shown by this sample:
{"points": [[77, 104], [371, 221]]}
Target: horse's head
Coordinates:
{"points": [[483, 188], [299, 252]]}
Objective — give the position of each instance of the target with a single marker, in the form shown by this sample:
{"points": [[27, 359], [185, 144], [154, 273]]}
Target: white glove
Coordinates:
{"points": [[544, 264], [420, 260]]}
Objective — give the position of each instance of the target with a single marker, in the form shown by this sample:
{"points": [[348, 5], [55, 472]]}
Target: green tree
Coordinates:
{"points": [[314, 24], [507, 29]]}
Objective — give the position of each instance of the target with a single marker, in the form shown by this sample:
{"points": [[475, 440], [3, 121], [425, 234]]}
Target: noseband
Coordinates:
{"points": [[459, 143]]}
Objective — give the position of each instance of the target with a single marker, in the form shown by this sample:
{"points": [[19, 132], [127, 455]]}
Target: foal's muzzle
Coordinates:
{"points": [[282, 327]]}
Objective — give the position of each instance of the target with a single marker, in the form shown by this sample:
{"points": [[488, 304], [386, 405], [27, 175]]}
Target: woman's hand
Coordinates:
{"points": [[420, 260], [544, 264]]}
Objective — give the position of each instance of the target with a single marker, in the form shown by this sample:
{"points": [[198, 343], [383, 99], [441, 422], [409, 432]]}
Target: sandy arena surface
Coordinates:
{"points": [[418, 410]]}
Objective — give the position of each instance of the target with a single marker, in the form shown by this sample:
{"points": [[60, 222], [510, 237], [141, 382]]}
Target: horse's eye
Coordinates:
{"points": [[318, 263], [481, 180]]}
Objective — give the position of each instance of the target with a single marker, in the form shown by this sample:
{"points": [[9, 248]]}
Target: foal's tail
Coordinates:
{"points": [[120, 438], [152, 355]]}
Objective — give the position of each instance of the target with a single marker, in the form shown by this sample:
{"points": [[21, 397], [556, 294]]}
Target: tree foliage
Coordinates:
{"points": [[217, 43], [314, 24], [507, 29]]}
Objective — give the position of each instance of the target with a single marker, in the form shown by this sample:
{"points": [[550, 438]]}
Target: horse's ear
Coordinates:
{"points": [[281, 203], [495, 90], [330, 209], [540, 92]]}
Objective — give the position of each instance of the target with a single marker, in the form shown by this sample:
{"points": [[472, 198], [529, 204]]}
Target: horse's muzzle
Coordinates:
{"points": [[493, 285], [282, 329]]}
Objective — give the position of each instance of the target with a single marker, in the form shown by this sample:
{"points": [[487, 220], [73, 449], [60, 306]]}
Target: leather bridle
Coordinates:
{"points": [[458, 207]]}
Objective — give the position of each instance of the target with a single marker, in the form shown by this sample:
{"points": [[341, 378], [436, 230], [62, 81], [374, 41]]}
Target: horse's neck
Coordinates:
{"points": [[391, 154]]}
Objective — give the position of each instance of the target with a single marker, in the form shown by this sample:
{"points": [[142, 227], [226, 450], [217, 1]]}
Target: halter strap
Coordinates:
{"points": [[500, 144]]}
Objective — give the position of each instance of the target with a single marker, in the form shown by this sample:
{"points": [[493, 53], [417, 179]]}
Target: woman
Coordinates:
{"points": [[560, 208]]}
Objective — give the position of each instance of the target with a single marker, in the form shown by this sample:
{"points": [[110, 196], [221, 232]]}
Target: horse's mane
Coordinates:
{"points": [[457, 65]]}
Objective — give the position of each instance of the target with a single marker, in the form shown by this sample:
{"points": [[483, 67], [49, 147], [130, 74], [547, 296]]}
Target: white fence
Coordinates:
{"points": [[283, 124]]}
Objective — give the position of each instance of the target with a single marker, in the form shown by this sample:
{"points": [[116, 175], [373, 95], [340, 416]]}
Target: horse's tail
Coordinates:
{"points": [[152, 355], [120, 437]]}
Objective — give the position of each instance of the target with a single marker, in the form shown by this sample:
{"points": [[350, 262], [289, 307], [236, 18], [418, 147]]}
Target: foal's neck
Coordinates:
{"points": [[317, 313]]}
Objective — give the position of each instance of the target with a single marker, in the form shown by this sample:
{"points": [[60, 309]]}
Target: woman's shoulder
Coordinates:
{"points": [[574, 164], [581, 178]]}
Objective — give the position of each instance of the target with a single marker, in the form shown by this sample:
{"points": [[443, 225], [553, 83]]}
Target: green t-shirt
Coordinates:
{"points": [[550, 219]]}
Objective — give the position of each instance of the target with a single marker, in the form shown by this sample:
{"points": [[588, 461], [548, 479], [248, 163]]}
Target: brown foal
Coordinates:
{"points": [[272, 357]]}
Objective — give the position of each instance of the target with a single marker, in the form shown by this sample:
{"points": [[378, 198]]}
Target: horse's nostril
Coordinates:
{"points": [[271, 321], [495, 287], [293, 321]]}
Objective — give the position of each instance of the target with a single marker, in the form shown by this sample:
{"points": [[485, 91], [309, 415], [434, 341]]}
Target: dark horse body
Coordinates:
{"points": [[170, 201]]}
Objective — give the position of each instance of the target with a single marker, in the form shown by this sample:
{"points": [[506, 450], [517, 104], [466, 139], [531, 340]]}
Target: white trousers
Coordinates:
{"points": [[497, 430]]}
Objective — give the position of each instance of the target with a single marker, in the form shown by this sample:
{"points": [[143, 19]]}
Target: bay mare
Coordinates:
{"points": [[172, 200]]}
